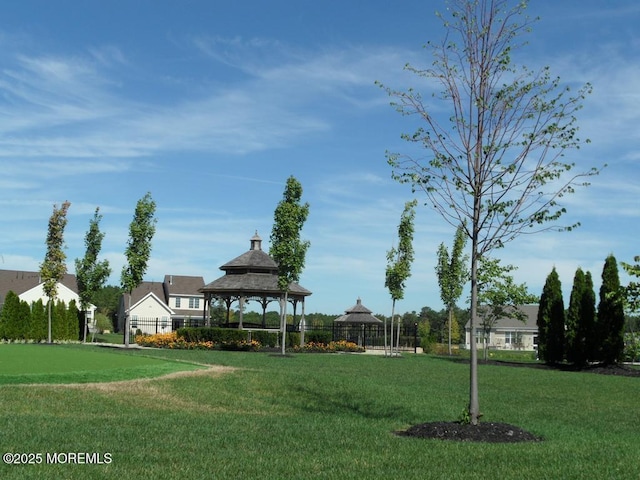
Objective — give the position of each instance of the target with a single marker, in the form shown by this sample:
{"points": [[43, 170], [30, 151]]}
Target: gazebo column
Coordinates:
{"points": [[241, 307], [302, 325], [206, 318]]}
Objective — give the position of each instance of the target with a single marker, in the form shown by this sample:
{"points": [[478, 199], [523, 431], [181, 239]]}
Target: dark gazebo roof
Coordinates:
{"points": [[358, 314], [252, 274]]}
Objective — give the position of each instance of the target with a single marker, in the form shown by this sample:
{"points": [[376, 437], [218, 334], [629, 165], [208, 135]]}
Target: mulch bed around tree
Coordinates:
{"points": [[502, 432], [483, 432]]}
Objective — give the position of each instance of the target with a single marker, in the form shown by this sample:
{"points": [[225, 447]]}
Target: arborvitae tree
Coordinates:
{"points": [[576, 333], [24, 320], [59, 321], [588, 310], [551, 321], [38, 330], [9, 316], [611, 314], [74, 320]]}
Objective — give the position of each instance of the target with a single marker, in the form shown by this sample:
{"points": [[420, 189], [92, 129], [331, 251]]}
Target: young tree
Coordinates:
{"points": [[286, 247], [498, 165], [54, 267], [551, 321], [499, 296], [91, 274], [9, 316], [399, 268], [452, 274], [138, 251], [610, 321]]}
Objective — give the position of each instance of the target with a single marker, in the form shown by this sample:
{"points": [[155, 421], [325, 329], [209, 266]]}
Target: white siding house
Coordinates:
{"points": [[508, 333]]}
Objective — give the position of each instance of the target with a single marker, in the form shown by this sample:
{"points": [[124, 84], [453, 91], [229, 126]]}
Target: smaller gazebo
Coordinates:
{"points": [[356, 325]]}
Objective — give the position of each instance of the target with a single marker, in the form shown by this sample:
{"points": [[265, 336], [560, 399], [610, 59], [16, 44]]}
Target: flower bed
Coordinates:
{"points": [[331, 347], [173, 341]]}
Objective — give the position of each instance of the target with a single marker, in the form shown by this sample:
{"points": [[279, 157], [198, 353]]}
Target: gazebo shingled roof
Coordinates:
{"points": [[358, 314]]}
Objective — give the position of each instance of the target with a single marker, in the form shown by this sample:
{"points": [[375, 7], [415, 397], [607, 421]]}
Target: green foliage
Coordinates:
{"points": [[632, 291], [286, 247], [53, 268], [90, 273], [211, 334], [551, 321], [399, 259], [267, 339], [38, 325], [138, 251], [318, 336], [498, 295], [106, 299], [10, 316], [103, 323], [610, 319], [580, 326]]}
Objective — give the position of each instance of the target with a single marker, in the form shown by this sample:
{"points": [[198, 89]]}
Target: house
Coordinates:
{"points": [[161, 307], [29, 287], [508, 333]]}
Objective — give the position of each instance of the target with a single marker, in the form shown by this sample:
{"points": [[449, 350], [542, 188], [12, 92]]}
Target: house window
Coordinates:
{"points": [[177, 302], [194, 302], [164, 322], [479, 335], [134, 321]]}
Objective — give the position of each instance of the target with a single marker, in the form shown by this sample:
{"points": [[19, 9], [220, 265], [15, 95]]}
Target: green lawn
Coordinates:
{"points": [[327, 417], [43, 363]]}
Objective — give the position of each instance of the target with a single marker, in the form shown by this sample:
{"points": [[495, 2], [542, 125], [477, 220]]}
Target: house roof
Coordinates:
{"points": [[144, 289], [506, 323], [19, 281], [182, 285], [358, 314]]}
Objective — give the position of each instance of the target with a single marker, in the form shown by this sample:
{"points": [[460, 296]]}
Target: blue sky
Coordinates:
{"points": [[210, 106]]}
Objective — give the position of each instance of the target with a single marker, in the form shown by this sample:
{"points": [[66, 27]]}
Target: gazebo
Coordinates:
{"points": [[355, 322], [253, 276]]}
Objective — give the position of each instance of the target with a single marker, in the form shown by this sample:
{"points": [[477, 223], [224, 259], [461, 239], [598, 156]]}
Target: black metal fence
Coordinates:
{"points": [[368, 336]]}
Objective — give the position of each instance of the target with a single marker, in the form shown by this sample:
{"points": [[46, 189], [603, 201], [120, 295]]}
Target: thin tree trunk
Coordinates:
{"points": [[393, 310], [127, 324], [283, 322], [398, 339], [49, 323], [474, 405], [450, 322]]}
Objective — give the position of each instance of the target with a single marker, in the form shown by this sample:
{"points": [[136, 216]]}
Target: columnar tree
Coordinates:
{"points": [[580, 320], [452, 274], [54, 267], [588, 309], [610, 320], [138, 251], [398, 270], [497, 161], [286, 248], [551, 320], [91, 274]]}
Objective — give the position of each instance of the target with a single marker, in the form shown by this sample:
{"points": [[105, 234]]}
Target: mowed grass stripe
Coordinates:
{"points": [[20, 364]]}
